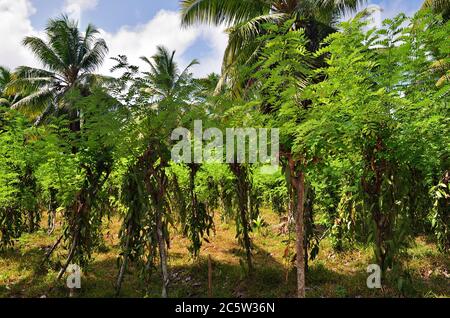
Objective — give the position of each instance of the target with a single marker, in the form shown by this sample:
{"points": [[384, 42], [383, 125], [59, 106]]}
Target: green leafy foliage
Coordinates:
{"points": [[364, 138]]}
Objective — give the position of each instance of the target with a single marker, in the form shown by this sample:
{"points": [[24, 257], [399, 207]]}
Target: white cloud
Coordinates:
{"points": [[164, 29], [14, 26], [387, 9], [135, 41], [217, 41], [375, 19], [391, 8], [74, 8]]}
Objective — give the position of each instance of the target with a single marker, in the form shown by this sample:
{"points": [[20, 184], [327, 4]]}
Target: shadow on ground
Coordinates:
{"points": [[230, 279]]}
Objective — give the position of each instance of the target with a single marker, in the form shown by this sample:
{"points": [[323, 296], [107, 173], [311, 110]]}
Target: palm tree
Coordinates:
{"points": [[69, 58], [245, 20], [164, 80]]}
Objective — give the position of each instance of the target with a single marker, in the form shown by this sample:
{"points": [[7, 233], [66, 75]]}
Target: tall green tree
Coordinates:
{"points": [[282, 73], [245, 20], [17, 189], [164, 79], [63, 87], [69, 58], [160, 101], [377, 96]]}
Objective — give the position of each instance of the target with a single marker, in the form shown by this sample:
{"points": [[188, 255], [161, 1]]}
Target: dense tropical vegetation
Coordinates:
{"points": [[363, 116]]}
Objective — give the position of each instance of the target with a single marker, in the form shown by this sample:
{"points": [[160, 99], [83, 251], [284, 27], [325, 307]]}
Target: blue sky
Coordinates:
{"points": [[133, 27], [108, 14]]}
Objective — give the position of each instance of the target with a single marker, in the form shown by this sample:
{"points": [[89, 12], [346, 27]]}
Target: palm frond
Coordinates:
{"points": [[245, 33], [5, 77], [94, 57], [64, 39], [35, 103], [185, 74], [87, 42], [436, 4], [219, 12], [4, 101], [27, 80], [26, 72], [44, 53], [340, 7], [93, 80]]}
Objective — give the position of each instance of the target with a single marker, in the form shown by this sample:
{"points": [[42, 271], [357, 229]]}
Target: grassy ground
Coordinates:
{"points": [[426, 273]]}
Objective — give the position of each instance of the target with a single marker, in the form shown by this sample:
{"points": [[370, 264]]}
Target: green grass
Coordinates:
{"points": [[425, 271]]}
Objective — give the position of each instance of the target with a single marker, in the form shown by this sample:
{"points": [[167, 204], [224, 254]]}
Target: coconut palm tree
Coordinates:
{"points": [[245, 20], [69, 59], [164, 78]]}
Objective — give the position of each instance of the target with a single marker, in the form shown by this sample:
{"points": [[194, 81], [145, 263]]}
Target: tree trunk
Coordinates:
{"points": [[81, 211], [242, 193], [123, 267], [380, 232], [298, 183], [31, 221], [51, 222], [52, 212], [210, 293], [162, 254], [299, 229], [70, 257], [156, 182], [372, 186], [52, 249], [247, 242]]}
